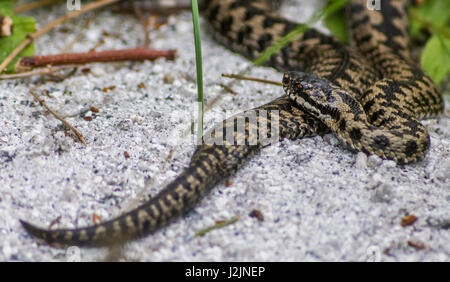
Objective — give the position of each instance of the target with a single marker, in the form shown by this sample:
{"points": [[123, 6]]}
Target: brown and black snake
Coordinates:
{"points": [[369, 94]]}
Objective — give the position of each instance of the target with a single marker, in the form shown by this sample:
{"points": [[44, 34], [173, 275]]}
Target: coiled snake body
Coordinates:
{"points": [[370, 97]]}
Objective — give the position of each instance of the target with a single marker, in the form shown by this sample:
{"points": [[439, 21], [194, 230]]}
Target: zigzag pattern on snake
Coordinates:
{"points": [[378, 95]]}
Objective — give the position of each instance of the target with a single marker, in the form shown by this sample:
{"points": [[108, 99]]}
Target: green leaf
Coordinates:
{"points": [[22, 26], [6, 8], [337, 25], [436, 58], [435, 12]]}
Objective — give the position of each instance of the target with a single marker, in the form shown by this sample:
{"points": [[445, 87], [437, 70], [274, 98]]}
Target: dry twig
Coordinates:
{"points": [[57, 116], [34, 5], [50, 26], [135, 54], [43, 71], [242, 77]]}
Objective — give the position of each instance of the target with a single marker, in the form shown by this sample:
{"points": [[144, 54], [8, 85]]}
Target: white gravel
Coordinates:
{"points": [[320, 202]]}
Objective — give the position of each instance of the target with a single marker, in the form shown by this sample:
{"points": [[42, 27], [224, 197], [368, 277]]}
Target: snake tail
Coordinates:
{"points": [[214, 160]]}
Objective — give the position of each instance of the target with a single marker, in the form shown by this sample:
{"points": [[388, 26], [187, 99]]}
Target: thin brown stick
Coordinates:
{"points": [[34, 5], [42, 71], [57, 116], [136, 54], [227, 88], [50, 26], [242, 77]]}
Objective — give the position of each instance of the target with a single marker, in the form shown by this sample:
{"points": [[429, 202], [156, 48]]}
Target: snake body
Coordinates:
{"points": [[369, 95]]}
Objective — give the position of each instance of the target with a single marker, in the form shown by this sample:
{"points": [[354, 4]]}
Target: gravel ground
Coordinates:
{"points": [[320, 202]]}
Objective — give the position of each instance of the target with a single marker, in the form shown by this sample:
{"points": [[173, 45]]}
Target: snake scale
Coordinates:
{"points": [[369, 94]]}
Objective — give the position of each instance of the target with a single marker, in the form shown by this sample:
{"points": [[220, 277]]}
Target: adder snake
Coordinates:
{"points": [[370, 95]]}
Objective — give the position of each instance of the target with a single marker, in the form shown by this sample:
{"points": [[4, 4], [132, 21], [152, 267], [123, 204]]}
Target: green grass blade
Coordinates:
{"points": [[216, 226], [298, 30], [198, 56]]}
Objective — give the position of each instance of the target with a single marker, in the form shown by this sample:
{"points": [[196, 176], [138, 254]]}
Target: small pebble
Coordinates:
{"points": [[138, 119], [417, 245], [125, 124], [408, 220], [257, 214], [383, 193], [361, 161], [98, 71], [331, 139], [158, 68], [168, 78], [375, 180], [389, 163], [443, 173], [429, 169], [374, 161], [94, 109]]}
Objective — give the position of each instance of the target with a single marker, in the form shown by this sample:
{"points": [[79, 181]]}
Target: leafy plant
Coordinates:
{"points": [[21, 27], [427, 17], [433, 17]]}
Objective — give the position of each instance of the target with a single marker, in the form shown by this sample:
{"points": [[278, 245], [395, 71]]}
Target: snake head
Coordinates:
{"points": [[313, 93], [297, 83], [320, 97]]}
